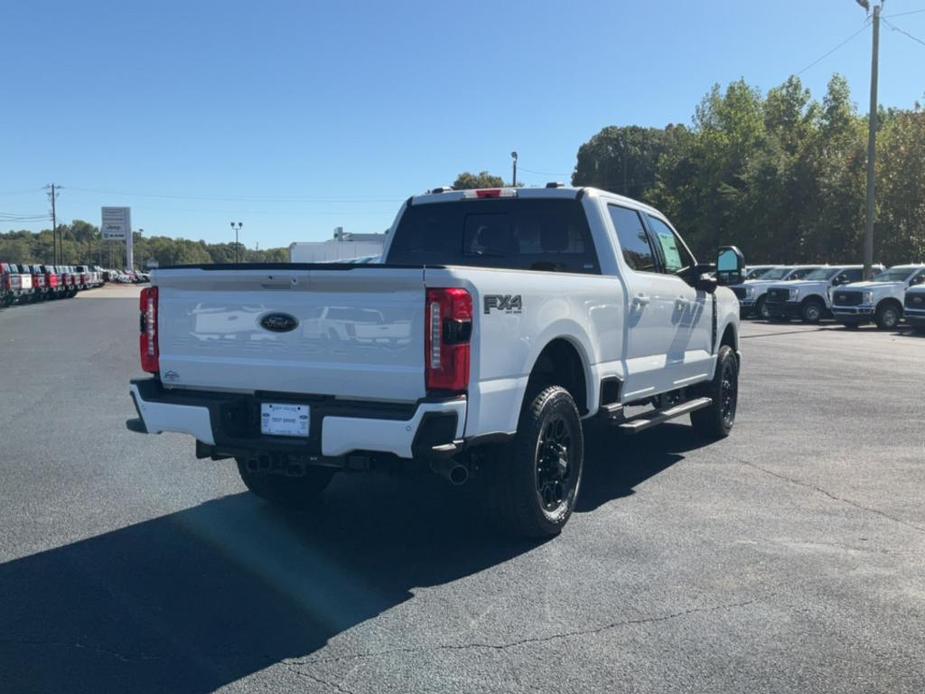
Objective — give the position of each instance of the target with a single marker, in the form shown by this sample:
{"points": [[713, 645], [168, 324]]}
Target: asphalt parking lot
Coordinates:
{"points": [[789, 557]]}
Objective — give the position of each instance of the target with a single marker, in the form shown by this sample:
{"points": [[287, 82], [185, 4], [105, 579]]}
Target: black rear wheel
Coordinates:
{"points": [[535, 484]]}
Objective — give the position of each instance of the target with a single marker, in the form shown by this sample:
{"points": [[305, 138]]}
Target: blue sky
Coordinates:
{"points": [[296, 117]]}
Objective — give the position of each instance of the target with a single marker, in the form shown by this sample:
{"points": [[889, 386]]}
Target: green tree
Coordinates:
{"points": [[468, 181], [900, 227], [622, 160]]}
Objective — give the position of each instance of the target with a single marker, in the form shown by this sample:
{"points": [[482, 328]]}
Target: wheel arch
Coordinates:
{"points": [[730, 337], [563, 361], [890, 300]]}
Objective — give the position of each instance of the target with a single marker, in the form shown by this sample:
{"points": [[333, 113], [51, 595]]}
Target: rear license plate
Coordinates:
{"points": [[284, 420]]}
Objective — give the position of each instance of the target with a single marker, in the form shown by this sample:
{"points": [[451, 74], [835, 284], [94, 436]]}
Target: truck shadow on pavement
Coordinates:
{"points": [[616, 464], [198, 599]]}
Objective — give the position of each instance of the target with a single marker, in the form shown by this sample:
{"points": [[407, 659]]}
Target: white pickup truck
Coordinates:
{"points": [[879, 300], [810, 299], [751, 293], [511, 315]]}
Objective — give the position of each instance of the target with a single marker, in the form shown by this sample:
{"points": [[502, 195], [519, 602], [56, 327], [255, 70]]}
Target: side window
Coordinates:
{"points": [[675, 254], [634, 241], [851, 275], [918, 279]]}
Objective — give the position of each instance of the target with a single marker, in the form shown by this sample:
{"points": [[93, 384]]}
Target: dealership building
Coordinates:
{"points": [[344, 246]]}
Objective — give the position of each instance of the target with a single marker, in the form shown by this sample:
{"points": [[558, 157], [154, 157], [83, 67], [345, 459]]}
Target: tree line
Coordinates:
{"points": [[81, 244], [781, 175]]}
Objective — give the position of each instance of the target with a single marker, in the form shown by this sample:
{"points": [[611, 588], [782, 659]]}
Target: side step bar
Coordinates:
{"points": [[647, 420]]}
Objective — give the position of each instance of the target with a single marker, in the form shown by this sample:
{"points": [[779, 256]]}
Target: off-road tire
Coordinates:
{"points": [[548, 420], [717, 420]]}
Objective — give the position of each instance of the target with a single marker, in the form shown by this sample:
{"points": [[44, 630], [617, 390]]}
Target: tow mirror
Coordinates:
{"points": [[730, 266]]}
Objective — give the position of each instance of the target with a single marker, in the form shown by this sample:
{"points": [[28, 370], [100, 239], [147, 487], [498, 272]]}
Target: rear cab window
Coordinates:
{"points": [[549, 234]]}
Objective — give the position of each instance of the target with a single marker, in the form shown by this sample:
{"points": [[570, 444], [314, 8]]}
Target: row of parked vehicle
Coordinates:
{"points": [[813, 292], [21, 283]]}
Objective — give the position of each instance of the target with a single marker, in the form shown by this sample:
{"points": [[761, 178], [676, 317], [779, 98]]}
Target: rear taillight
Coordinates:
{"points": [[147, 341], [446, 339]]}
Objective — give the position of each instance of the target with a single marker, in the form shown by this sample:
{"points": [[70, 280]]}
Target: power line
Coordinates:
{"points": [[902, 31], [826, 55], [237, 198], [901, 14], [547, 173]]}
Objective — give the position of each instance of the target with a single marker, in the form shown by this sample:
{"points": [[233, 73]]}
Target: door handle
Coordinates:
{"points": [[640, 300]]}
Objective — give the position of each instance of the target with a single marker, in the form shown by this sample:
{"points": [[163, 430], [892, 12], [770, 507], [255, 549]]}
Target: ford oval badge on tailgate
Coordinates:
{"points": [[279, 322]]}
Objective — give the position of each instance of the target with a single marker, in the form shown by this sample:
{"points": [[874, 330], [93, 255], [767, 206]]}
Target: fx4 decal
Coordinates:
{"points": [[503, 302]]}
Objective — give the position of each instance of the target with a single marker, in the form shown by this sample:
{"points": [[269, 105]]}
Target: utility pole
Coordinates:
{"points": [[514, 179], [53, 195], [872, 146]]}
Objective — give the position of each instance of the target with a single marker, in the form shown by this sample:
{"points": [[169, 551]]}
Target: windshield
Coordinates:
{"points": [[895, 274], [822, 273], [777, 273]]}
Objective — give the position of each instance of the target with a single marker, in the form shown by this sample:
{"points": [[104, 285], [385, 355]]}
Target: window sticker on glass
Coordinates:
{"points": [[670, 249]]}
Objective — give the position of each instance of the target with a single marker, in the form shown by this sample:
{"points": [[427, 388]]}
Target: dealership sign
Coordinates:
{"points": [[117, 223]]}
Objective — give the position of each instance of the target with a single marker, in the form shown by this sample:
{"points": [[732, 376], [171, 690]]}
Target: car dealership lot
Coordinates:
{"points": [[789, 557]]}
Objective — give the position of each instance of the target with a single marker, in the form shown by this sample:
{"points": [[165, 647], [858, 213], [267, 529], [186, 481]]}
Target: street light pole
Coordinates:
{"points": [[237, 228], [514, 160]]}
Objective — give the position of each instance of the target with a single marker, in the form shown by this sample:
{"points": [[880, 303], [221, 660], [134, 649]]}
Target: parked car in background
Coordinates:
{"points": [[53, 287], [753, 272], [38, 281], [752, 293], [914, 307], [71, 280], [879, 300], [15, 284], [810, 299], [87, 277]]}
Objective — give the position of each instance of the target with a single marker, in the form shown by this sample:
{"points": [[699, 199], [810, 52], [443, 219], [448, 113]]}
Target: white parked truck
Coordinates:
{"points": [[810, 299], [751, 293], [879, 300], [509, 317]]}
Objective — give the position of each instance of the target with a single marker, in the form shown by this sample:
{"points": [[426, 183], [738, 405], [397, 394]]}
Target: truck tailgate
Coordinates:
{"points": [[358, 332]]}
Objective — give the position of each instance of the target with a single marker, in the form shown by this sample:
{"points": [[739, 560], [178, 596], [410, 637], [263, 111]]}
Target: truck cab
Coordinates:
{"points": [[752, 292], [880, 300], [810, 299]]}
